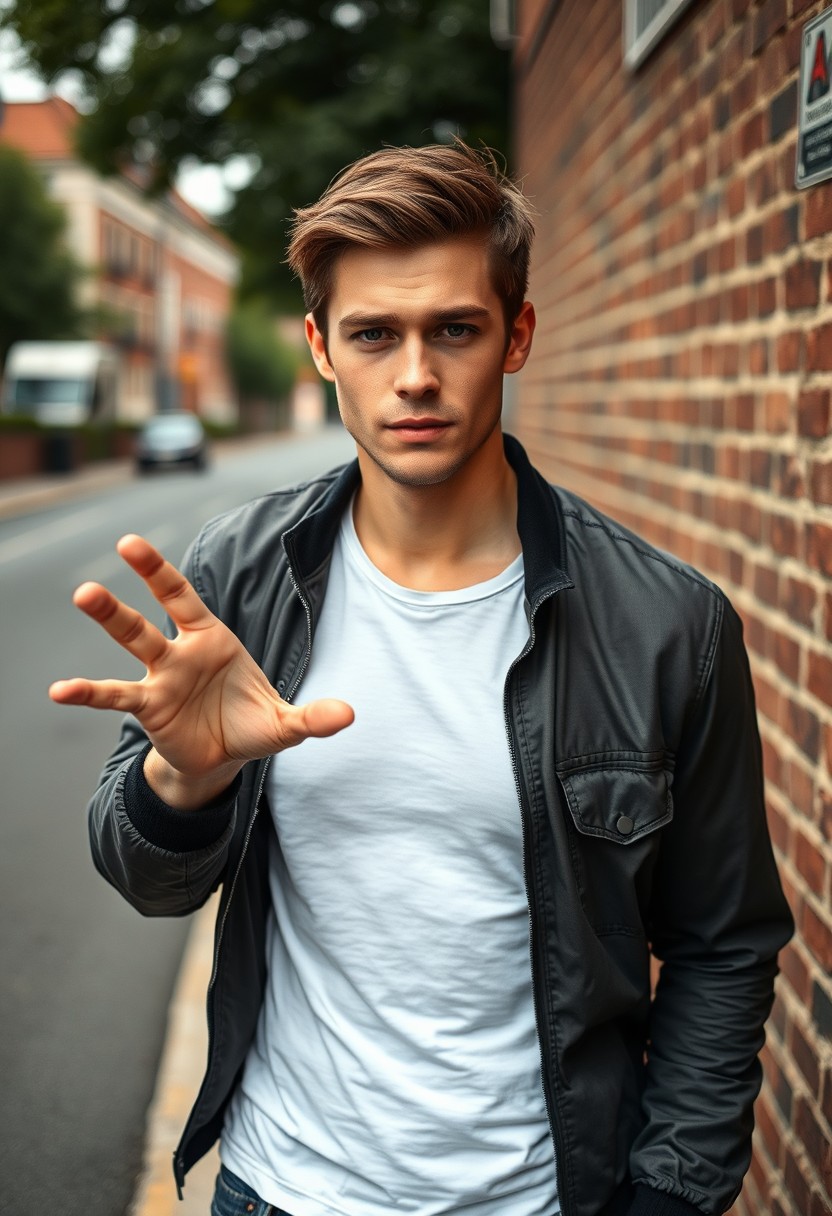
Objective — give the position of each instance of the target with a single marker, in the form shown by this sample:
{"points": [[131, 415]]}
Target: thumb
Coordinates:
{"points": [[317, 720]]}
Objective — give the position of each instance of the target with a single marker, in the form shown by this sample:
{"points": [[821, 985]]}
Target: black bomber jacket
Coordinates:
{"points": [[631, 724]]}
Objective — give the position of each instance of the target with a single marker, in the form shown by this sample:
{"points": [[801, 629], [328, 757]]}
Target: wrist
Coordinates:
{"points": [[183, 791]]}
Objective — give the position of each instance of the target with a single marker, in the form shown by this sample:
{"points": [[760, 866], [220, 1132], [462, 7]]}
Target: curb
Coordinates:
{"points": [[178, 1079]]}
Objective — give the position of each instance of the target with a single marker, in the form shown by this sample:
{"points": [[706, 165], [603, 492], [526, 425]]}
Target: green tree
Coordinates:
{"points": [[294, 90], [39, 277], [262, 365]]}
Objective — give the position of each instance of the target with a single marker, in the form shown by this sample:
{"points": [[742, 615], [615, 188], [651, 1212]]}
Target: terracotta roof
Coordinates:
{"points": [[43, 129]]}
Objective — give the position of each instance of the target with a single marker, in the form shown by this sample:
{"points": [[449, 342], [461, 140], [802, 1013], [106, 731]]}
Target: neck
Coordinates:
{"points": [[441, 537]]}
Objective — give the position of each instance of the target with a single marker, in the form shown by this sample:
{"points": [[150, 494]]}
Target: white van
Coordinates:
{"points": [[61, 383]]}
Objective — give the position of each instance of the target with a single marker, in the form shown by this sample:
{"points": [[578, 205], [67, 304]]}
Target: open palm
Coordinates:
{"points": [[204, 704]]}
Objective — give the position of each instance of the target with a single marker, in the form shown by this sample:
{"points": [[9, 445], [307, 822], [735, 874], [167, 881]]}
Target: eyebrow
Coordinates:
{"points": [[367, 320]]}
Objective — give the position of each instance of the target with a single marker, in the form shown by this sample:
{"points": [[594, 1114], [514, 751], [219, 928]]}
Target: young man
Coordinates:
{"points": [[529, 755]]}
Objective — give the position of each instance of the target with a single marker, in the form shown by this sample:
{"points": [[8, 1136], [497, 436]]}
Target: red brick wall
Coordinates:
{"points": [[681, 380]]}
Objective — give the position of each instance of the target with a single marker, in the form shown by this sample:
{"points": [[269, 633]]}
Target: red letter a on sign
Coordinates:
{"points": [[819, 84]]}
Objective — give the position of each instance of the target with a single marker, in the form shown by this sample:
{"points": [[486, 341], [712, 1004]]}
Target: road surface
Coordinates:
{"points": [[85, 980]]}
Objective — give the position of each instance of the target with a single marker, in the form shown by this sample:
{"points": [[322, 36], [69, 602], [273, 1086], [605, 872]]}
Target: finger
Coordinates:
{"points": [[317, 720], [124, 624], [167, 584], [122, 695]]}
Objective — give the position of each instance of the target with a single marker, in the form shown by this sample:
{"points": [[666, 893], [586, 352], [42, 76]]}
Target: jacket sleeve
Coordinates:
{"points": [[718, 919], [165, 862]]}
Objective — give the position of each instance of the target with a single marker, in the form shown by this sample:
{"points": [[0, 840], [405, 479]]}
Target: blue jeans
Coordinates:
{"points": [[232, 1197]]}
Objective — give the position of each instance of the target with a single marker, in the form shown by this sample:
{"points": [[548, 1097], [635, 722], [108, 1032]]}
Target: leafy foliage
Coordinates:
{"points": [[262, 365], [39, 278], [291, 89]]}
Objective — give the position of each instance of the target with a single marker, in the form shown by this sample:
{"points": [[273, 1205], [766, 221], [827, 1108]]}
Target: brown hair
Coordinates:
{"points": [[410, 197]]}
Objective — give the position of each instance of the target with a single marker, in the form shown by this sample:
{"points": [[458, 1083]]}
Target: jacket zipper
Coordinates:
{"points": [[179, 1165], [526, 819]]}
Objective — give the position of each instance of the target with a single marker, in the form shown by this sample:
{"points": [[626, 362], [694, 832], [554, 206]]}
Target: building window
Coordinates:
{"points": [[645, 24]]}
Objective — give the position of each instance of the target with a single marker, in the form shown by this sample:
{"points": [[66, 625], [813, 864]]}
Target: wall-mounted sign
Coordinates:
{"points": [[814, 102]]}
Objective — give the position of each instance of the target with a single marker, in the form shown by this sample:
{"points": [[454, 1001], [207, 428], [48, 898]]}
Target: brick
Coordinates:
{"points": [[818, 936], [810, 862], [796, 1182], [781, 230], [822, 1012], [764, 182], [744, 92], [789, 351], [820, 480], [820, 676], [782, 112], [787, 656], [800, 787], [803, 284], [796, 972], [759, 468], [784, 535], [758, 357], [721, 111], [754, 244], [740, 410], [799, 600], [809, 1130], [826, 1108], [819, 548], [819, 349], [764, 297], [770, 1127], [766, 584], [789, 480], [777, 412], [820, 1203], [803, 726], [818, 210], [772, 15], [813, 413]]}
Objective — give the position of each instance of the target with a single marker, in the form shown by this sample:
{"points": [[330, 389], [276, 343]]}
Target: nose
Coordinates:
{"points": [[415, 375]]}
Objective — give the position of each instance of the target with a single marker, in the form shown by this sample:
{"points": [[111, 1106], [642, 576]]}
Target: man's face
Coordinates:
{"points": [[417, 347]]}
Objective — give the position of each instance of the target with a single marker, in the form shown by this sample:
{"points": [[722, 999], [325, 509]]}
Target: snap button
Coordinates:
{"points": [[625, 825]]}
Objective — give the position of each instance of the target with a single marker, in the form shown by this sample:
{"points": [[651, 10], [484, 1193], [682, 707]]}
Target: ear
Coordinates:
{"points": [[317, 345], [520, 338]]}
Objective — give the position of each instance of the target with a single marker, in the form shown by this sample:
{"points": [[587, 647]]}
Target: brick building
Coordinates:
{"points": [[162, 274], [681, 381]]}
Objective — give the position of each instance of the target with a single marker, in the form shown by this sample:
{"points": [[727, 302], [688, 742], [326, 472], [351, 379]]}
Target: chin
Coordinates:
{"points": [[416, 473]]}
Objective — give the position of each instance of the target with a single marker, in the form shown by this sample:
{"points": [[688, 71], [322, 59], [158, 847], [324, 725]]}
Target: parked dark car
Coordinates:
{"points": [[170, 440]]}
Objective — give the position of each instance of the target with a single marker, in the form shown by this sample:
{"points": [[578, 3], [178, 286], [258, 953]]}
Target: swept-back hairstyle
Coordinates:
{"points": [[407, 197]]}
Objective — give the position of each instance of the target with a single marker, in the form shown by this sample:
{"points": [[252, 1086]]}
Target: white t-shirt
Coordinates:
{"points": [[396, 1065]]}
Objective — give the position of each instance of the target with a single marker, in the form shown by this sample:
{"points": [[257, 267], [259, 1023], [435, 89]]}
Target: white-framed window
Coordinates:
{"points": [[645, 23]]}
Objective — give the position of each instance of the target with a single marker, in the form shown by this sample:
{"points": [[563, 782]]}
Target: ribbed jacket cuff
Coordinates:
{"points": [[165, 826], [647, 1201]]}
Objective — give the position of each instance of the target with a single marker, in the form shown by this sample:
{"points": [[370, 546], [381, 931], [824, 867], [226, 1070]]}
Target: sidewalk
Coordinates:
{"points": [[177, 1082]]}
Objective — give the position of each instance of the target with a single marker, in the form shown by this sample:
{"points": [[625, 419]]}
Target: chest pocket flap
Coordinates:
{"points": [[619, 798]]}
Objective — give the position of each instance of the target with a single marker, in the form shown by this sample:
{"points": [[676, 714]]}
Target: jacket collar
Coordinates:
{"points": [[539, 522]]}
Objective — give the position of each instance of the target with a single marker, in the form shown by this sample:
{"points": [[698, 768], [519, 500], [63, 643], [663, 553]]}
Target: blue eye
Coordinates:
{"points": [[371, 335], [457, 330]]}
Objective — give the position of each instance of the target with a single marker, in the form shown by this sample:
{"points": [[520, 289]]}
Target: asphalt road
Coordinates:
{"points": [[85, 980]]}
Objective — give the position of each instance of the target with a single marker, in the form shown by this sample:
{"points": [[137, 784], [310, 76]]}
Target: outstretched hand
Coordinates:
{"points": [[204, 704]]}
